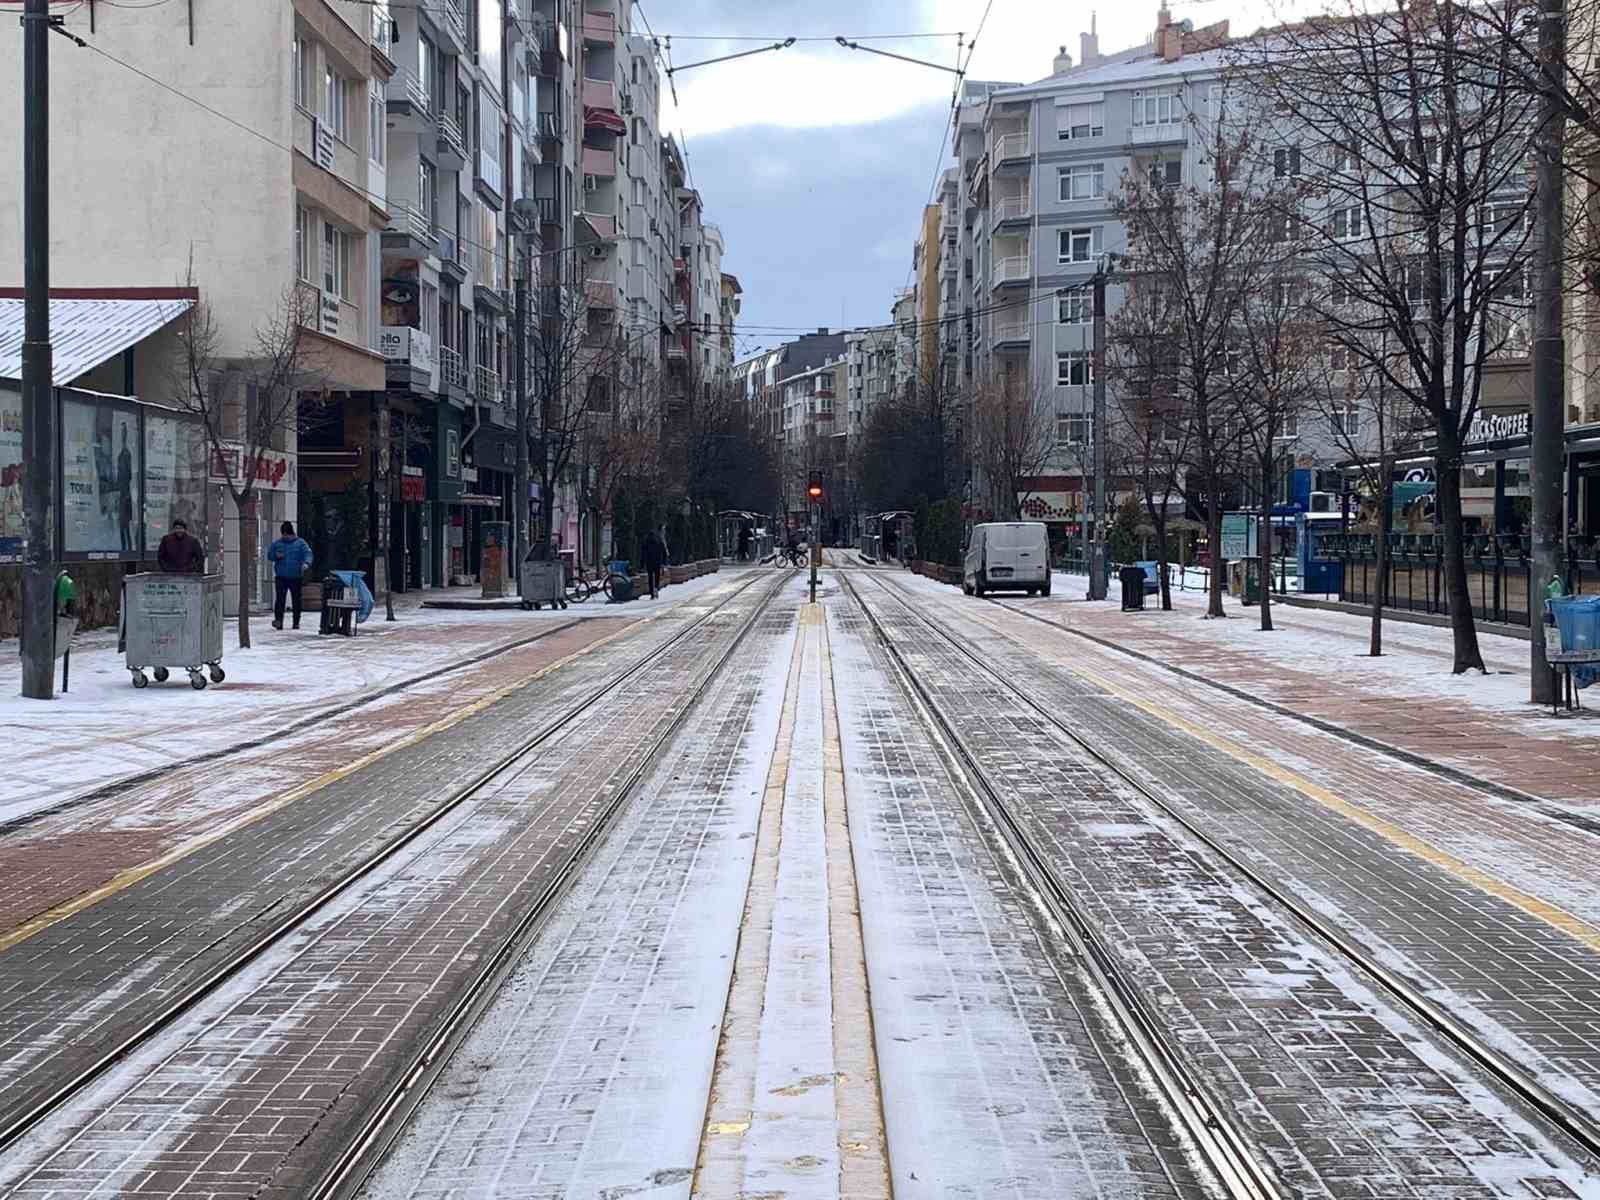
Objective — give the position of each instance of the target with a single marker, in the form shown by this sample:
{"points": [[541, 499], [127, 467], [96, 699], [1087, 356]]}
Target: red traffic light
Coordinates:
{"points": [[814, 487]]}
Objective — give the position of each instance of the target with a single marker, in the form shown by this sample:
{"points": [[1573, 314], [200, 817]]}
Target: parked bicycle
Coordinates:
{"points": [[795, 556]]}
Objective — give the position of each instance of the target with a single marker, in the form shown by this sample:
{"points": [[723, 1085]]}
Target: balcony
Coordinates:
{"points": [[452, 373], [409, 228], [676, 352], [450, 255], [1012, 333], [1012, 208], [600, 294], [454, 13], [603, 224], [486, 385], [1148, 135], [600, 28], [600, 163], [1010, 148], [452, 143], [599, 93], [1017, 268], [408, 103]]}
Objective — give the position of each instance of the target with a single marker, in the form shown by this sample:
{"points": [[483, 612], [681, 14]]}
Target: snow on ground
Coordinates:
{"points": [[103, 729], [1414, 668]]}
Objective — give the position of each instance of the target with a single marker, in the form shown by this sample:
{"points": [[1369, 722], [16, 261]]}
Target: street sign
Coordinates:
{"points": [[1239, 535]]}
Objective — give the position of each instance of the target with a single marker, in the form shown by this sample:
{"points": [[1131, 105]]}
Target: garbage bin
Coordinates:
{"points": [[1132, 580], [172, 622], [543, 581]]}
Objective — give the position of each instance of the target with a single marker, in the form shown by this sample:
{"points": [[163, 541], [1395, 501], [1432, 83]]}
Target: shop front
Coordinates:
{"points": [[446, 522], [277, 483]]}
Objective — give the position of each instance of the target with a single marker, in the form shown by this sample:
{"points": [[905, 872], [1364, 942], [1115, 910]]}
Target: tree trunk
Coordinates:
{"points": [[1162, 564], [246, 506], [1264, 539], [1380, 593], [1463, 628], [1214, 533]]}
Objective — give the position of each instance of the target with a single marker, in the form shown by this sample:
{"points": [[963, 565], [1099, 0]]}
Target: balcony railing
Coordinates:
{"points": [[455, 15], [1170, 131], [1012, 208], [600, 27], [598, 162], [487, 381], [406, 217], [451, 138], [452, 373], [1013, 269], [1012, 331], [600, 93], [407, 86], [1010, 146]]}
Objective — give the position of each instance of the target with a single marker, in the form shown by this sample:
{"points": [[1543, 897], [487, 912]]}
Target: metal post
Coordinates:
{"points": [[1549, 359], [519, 360], [38, 408], [1097, 573], [816, 553]]}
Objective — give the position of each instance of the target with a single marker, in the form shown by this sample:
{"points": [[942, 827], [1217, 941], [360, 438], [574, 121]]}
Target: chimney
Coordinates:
{"points": [[822, 331], [1089, 45], [1063, 62], [1168, 39]]}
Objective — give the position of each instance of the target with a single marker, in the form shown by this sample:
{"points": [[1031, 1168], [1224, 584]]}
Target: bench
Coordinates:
{"points": [[339, 616]]}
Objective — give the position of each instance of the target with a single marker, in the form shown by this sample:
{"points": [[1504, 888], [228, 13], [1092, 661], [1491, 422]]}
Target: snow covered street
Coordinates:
{"points": [[901, 893]]}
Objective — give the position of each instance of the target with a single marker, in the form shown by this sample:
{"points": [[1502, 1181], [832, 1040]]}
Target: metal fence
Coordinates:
{"points": [[1498, 573]]}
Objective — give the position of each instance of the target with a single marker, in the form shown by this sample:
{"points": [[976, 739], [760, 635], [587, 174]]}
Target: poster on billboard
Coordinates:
{"points": [[175, 476], [101, 466], [12, 529]]}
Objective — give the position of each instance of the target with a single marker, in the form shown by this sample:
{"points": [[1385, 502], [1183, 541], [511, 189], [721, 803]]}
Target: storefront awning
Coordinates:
{"points": [[474, 500], [86, 331], [604, 118]]}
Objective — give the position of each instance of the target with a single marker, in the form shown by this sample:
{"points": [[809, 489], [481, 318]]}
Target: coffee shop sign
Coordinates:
{"points": [[1497, 427]]}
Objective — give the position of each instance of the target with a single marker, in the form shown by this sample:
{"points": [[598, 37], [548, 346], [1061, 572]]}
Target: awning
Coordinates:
{"points": [[85, 332], [604, 118], [477, 500]]}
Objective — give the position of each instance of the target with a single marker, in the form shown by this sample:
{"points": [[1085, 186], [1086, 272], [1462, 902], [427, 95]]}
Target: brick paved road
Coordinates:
{"points": [[85, 982], [1452, 888], [1346, 1095]]}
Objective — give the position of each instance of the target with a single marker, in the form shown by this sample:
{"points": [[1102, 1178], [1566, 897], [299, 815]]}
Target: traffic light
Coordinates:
{"points": [[814, 487]]}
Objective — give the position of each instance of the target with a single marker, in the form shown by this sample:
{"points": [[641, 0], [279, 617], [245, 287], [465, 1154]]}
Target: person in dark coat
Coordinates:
{"points": [[654, 554], [744, 543], [180, 554]]}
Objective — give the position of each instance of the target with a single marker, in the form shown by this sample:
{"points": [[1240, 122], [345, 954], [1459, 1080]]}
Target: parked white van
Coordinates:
{"points": [[1010, 555]]}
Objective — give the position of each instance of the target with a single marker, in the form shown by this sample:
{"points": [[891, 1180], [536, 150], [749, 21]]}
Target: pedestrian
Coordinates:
{"points": [[744, 543], [654, 553], [180, 554], [290, 557]]}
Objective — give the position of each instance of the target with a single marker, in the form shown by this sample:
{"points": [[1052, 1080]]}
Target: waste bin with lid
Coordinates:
{"points": [[1132, 580]]}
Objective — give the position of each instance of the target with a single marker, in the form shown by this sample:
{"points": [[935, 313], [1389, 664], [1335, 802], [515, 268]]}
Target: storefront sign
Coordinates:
{"points": [[475, 500], [1239, 535], [1498, 427], [330, 313], [469, 474], [452, 453], [12, 528], [404, 346], [275, 470], [413, 487]]}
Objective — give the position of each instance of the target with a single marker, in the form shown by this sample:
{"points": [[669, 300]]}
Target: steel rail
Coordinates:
{"points": [[17, 1123], [1225, 1150], [1580, 1129], [385, 1123]]}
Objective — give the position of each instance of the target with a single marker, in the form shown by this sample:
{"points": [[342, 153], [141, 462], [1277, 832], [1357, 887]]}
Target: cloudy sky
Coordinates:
{"points": [[816, 160]]}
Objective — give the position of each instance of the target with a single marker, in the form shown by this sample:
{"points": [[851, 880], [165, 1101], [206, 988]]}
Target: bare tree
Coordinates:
{"points": [[1150, 435], [1012, 438], [1205, 244], [1416, 128], [248, 405]]}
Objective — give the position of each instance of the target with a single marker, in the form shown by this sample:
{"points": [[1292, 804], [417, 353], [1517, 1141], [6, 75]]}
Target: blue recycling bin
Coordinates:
{"points": [[1578, 618]]}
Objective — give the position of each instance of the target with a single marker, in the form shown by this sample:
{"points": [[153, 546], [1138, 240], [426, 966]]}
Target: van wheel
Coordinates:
{"points": [[1031, 591], [977, 586], [1045, 590]]}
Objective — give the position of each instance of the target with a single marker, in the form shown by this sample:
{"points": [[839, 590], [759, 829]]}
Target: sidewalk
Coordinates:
{"points": [[104, 730], [1315, 663]]}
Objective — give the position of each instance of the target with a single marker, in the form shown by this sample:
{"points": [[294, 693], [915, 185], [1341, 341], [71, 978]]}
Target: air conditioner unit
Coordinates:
{"points": [[597, 251], [627, 104]]}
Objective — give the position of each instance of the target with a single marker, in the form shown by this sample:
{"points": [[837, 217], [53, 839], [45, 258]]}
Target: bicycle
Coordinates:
{"points": [[794, 556]]}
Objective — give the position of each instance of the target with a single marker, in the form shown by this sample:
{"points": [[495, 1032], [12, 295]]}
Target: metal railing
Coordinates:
{"points": [[406, 217], [451, 371], [488, 387], [450, 132], [406, 85], [1013, 208], [1010, 145], [1499, 571], [1012, 269]]}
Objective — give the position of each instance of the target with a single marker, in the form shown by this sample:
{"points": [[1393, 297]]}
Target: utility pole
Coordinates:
{"points": [[38, 409], [1545, 466], [519, 360], [1097, 572]]}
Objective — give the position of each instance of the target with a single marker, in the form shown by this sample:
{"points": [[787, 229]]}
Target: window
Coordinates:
{"points": [[427, 190], [304, 73], [1338, 358], [377, 123], [1079, 245], [1166, 173], [1084, 182], [1344, 160], [1078, 121], [1345, 418], [335, 107], [1339, 294], [1073, 429], [1076, 306], [1283, 225], [1507, 219], [1156, 106], [427, 68], [1291, 425], [1074, 368], [335, 261], [1286, 162], [1511, 286], [305, 242]]}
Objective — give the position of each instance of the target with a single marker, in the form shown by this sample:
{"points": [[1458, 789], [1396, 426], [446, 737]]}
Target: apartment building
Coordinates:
{"points": [[283, 220]]}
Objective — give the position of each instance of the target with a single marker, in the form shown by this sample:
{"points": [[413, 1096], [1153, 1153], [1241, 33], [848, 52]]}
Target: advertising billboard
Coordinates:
{"points": [[102, 468]]}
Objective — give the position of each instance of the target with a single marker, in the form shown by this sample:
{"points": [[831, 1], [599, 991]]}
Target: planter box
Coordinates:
{"points": [[311, 595], [677, 574]]}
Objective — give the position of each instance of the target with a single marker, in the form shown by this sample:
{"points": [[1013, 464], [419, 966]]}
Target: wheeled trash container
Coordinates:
{"points": [[544, 581], [173, 622]]}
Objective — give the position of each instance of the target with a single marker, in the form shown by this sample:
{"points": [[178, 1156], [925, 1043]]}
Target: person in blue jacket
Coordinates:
{"points": [[290, 558]]}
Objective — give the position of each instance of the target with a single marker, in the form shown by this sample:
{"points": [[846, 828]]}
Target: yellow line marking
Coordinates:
{"points": [[1543, 910], [125, 879]]}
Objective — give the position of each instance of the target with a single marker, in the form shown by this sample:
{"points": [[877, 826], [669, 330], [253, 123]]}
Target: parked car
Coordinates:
{"points": [[1007, 556]]}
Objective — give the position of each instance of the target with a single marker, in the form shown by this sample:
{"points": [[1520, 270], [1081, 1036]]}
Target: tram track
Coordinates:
{"points": [[28, 1115], [1578, 1128], [1225, 1149]]}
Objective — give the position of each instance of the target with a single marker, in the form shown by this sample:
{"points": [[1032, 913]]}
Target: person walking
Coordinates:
{"points": [[180, 554], [744, 543], [654, 554], [290, 557]]}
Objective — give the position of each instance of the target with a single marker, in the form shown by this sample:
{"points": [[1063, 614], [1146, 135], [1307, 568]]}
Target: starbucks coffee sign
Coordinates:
{"points": [[1497, 427]]}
